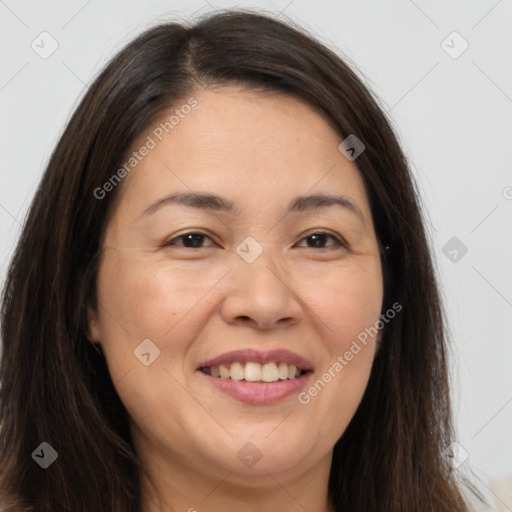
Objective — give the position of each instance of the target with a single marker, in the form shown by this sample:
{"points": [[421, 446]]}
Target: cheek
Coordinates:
{"points": [[347, 304], [145, 298], [141, 298], [347, 300]]}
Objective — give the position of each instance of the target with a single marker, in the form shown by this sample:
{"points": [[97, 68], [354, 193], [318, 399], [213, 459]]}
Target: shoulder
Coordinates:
{"points": [[497, 494]]}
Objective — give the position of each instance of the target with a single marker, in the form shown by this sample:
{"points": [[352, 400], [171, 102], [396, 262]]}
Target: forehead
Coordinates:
{"points": [[259, 150]]}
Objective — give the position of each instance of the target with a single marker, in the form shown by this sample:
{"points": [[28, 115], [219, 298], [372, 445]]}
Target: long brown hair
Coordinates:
{"points": [[55, 385]]}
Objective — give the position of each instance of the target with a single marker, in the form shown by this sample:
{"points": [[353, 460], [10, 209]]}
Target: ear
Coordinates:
{"points": [[93, 333]]}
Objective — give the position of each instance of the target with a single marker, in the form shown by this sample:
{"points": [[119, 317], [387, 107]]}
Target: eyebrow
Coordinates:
{"points": [[212, 202]]}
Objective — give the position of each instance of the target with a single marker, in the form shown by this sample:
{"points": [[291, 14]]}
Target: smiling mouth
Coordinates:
{"points": [[251, 371]]}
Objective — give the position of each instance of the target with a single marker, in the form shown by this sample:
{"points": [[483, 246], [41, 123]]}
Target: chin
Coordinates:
{"points": [[262, 450]]}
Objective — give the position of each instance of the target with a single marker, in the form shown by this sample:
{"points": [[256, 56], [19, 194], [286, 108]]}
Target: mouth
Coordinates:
{"points": [[256, 377]]}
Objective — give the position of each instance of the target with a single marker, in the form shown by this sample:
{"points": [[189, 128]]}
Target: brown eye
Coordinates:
{"points": [[193, 240], [318, 240], [189, 240]]}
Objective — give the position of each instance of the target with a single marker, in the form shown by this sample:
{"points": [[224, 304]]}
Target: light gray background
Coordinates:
{"points": [[453, 115]]}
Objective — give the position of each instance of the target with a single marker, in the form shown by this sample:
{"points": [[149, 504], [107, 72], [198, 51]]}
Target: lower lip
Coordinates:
{"points": [[258, 392]]}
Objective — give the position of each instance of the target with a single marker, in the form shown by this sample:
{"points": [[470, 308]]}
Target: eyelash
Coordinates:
{"points": [[339, 241]]}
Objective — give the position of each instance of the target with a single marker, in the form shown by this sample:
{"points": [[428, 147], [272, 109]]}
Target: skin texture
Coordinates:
{"points": [[197, 303]]}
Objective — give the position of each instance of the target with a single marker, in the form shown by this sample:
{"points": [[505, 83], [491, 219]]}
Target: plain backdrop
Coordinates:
{"points": [[449, 96]]}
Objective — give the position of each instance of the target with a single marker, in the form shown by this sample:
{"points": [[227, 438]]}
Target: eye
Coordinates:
{"points": [[318, 240], [190, 240], [193, 240]]}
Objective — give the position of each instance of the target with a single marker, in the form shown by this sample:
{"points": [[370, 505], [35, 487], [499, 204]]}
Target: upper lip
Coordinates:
{"points": [[257, 356]]}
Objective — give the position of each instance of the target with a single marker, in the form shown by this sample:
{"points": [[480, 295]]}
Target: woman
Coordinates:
{"points": [[223, 296]]}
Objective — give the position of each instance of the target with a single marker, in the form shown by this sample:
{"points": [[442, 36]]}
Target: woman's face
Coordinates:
{"points": [[256, 291]]}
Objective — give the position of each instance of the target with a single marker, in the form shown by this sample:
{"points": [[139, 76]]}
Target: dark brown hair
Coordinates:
{"points": [[55, 385]]}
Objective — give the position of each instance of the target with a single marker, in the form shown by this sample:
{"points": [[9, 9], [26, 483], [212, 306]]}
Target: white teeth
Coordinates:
{"points": [[237, 372], [269, 372], [255, 372], [252, 372], [224, 372]]}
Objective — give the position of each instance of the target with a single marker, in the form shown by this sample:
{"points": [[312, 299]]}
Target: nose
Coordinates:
{"points": [[261, 295]]}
